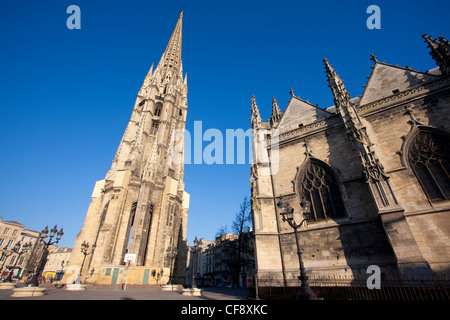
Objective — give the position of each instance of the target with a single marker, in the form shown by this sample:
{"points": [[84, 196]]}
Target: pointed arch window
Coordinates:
{"points": [[130, 225], [429, 157], [158, 109], [319, 186], [154, 128]]}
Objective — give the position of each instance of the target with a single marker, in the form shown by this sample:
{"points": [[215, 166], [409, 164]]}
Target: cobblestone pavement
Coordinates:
{"points": [[98, 292]]}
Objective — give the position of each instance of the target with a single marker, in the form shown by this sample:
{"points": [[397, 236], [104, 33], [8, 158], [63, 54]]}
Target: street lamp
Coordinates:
{"points": [[172, 254], [84, 251], [194, 255], [62, 269], [42, 237], [305, 292], [19, 250], [6, 252]]}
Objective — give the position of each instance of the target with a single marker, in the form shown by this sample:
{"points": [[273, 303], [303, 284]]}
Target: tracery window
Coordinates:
{"points": [[429, 157], [319, 186]]}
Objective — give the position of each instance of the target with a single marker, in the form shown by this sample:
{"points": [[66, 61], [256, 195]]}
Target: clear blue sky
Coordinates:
{"points": [[66, 95]]}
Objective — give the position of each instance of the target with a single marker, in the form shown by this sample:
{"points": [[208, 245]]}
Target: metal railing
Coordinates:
{"points": [[351, 289]]}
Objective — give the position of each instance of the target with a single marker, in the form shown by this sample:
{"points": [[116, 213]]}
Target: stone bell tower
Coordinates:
{"points": [[141, 207]]}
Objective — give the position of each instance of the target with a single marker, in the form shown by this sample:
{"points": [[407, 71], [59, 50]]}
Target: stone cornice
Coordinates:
{"points": [[403, 96], [304, 131]]}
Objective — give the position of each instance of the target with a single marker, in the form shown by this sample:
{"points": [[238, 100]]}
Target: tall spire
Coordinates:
{"points": [[171, 57], [341, 96], [255, 116], [276, 113], [373, 170], [440, 52], [342, 100]]}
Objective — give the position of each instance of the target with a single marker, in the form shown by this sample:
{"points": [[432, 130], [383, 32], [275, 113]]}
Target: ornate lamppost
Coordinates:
{"points": [[62, 269], [6, 252], [42, 237], [172, 254], [194, 256], [19, 250], [305, 292], [84, 251]]}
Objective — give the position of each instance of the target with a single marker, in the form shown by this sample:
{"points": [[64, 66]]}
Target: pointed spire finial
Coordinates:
{"points": [[333, 78], [276, 113], [150, 73], [255, 116], [340, 93], [292, 93], [373, 57], [440, 52], [171, 57]]}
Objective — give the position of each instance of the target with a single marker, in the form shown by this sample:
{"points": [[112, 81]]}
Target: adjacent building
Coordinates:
{"points": [[14, 258], [227, 261], [57, 263], [10, 235]]}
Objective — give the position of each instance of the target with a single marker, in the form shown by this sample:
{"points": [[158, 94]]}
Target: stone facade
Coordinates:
{"points": [[57, 261], [28, 262], [23, 263], [141, 207], [374, 170], [10, 235]]}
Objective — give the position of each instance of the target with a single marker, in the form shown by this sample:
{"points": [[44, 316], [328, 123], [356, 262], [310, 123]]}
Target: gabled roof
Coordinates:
{"points": [[300, 112], [386, 80]]}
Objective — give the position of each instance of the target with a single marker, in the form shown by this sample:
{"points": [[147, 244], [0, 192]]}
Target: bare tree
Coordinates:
{"points": [[242, 220], [233, 253], [223, 229]]}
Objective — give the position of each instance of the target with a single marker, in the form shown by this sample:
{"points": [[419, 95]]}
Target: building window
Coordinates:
{"points": [[430, 160], [130, 224], [155, 125], [6, 231], [158, 109], [319, 186]]}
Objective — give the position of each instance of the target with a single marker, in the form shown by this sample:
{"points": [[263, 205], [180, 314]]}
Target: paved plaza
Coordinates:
{"points": [[99, 292]]}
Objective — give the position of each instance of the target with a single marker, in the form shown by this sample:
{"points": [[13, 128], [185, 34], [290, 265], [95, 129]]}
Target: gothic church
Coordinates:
{"points": [[374, 170]]}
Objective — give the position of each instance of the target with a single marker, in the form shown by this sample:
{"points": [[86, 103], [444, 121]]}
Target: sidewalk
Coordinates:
{"points": [[98, 292]]}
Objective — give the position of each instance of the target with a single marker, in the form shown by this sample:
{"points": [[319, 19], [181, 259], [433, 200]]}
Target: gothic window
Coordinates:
{"points": [[150, 213], [319, 186], [130, 224], [155, 125], [429, 157], [158, 109]]}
